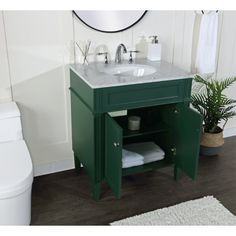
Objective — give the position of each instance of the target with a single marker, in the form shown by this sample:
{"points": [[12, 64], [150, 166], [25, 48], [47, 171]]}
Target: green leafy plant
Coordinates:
{"points": [[212, 103]]}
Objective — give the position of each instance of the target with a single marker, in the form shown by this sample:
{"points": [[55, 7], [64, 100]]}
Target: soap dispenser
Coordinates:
{"points": [[142, 47], [154, 49]]}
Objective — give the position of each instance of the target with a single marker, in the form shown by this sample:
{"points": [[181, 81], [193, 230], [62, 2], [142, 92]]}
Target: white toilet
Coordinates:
{"points": [[16, 171]]}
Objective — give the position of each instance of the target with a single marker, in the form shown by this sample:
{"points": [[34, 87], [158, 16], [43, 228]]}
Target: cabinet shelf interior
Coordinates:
{"points": [[145, 129]]}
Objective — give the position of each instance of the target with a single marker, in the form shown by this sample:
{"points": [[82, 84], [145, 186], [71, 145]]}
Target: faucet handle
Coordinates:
{"points": [[134, 51], [154, 38], [130, 55], [104, 53]]}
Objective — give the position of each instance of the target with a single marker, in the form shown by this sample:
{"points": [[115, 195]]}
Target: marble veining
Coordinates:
{"points": [[94, 75]]}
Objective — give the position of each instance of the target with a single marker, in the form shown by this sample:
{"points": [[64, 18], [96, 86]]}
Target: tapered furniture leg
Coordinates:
{"points": [[77, 164], [96, 190], [177, 173]]}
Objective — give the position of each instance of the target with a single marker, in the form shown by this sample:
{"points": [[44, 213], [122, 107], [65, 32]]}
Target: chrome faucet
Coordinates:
{"points": [[118, 52]]}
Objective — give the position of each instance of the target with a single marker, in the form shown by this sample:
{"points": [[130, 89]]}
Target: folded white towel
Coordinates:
{"points": [[131, 164], [131, 156], [152, 159], [149, 150], [130, 159]]}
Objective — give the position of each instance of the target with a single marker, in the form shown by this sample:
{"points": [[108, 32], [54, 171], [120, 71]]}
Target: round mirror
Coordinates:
{"points": [[110, 21]]}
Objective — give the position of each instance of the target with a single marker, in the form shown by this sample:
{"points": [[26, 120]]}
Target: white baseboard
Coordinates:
{"points": [[53, 167], [229, 132]]}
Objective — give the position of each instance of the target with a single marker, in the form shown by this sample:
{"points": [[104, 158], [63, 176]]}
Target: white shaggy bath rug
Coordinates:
{"points": [[204, 211]]}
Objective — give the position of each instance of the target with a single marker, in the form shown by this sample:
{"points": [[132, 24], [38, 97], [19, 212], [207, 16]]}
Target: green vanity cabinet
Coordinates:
{"points": [[166, 118]]}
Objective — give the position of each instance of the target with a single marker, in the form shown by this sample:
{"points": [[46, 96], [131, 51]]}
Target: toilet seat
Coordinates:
{"points": [[16, 171]]}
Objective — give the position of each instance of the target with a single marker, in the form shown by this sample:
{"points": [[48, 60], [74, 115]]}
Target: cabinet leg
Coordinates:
{"points": [[177, 173], [96, 191], [77, 164]]}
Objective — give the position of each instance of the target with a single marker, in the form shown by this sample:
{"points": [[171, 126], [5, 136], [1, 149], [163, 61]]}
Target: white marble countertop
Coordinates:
{"points": [[94, 76]]}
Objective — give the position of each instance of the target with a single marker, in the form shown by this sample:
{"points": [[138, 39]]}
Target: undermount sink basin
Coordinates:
{"points": [[137, 70]]}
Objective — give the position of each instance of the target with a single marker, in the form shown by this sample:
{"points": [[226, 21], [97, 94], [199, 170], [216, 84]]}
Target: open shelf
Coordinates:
{"points": [[144, 129], [146, 167]]}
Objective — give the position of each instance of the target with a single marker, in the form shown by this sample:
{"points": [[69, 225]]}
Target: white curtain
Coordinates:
{"points": [[207, 44]]}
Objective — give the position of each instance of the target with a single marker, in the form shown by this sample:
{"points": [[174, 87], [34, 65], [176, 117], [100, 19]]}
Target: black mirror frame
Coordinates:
{"points": [[117, 31]]}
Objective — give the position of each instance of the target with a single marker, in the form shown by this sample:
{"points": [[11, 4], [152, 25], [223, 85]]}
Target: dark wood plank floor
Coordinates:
{"points": [[64, 198]]}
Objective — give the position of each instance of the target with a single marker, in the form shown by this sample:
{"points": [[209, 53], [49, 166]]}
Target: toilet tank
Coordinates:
{"points": [[10, 122]]}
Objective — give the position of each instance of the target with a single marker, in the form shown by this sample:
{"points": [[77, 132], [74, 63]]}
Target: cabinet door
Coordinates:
{"points": [[185, 135], [83, 132], [113, 155]]}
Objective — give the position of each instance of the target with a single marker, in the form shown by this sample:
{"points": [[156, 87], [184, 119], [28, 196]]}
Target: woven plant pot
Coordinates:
{"points": [[211, 143]]}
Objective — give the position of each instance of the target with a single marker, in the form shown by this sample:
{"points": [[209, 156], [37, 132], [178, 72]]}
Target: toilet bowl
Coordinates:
{"points": [[16, 171]]}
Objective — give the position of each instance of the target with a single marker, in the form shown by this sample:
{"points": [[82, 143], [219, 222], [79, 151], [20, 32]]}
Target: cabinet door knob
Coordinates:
{"points": [[116, 144], [173, 150], [176, 111]]}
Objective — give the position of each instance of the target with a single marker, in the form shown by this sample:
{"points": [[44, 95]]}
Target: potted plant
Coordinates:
{"points": [[215, 107]]}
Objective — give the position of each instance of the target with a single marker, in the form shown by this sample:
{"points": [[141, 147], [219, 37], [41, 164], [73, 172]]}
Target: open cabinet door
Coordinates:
{"points": [[185, 135], [113, 155]]}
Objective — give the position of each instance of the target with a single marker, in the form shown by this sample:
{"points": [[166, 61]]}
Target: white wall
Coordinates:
{"points": [[174, 30], [226, 58], [38, 48], [5, 90]]}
